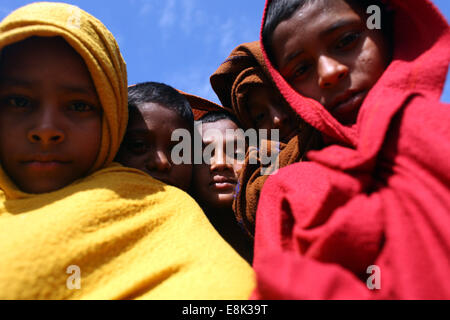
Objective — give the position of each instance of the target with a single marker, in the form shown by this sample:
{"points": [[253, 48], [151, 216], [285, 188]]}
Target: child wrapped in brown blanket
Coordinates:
{"points": [[244, 88]]}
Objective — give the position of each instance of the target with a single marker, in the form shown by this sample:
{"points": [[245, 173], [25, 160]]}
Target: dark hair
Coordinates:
{"points": [[163, 94], [215, 116], [281, 10]]}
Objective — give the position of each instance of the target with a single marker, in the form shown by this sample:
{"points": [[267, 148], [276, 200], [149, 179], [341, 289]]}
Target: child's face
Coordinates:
{"points": [[215, 183], [148, 145], [268, 111], [50, 115], [326, 52]]}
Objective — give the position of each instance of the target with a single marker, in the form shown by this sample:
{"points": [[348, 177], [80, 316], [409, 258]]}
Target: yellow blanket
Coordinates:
{"points": [[98, 48], [127, 235], [118, 233]]}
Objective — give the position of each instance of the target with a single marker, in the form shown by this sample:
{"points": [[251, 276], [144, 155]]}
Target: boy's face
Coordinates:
{"points": [[148, 144], [268, 111], [326, 52], [215, 183], [50, 115]]}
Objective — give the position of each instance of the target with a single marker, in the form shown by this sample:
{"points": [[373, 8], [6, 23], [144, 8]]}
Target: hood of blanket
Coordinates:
{"points": [[243, 70], [99, 50], [421, 57]]}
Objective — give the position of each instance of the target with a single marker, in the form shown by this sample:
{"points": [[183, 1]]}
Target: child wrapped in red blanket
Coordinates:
{"points": [[368, 217]]}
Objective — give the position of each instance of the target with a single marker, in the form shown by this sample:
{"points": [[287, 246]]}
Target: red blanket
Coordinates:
{"points": [[378, 195]]}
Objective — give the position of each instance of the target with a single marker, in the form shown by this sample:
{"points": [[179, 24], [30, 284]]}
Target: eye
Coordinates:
{"points": [[18, 102], [300, 70], [260, 117], [348, 40], [297, 71], [80, 106]]}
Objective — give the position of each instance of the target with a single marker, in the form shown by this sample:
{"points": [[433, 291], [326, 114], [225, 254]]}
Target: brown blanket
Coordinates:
{"points": [[243, 70], [201, 106], [252, 180]]}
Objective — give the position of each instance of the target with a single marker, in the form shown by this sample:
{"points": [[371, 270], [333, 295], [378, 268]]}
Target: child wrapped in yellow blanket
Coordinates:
{"points": [[73, 224]]}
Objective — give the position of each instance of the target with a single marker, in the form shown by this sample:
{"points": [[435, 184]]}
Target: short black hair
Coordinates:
{"points": [[277, 12], [163, 94], [215, 116], [281, 10]]}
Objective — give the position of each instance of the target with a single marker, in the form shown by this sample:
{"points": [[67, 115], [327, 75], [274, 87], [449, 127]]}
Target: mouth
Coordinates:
{"points": [[222, 183], [45, 165], [347, 103], [44, 162], [45, 158]]}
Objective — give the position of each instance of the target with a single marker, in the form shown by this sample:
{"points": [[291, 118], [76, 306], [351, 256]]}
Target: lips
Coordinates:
{"points": [[45, 158], [348, 104], [222, 183], [44, 162], [223, 179], [45, 166]]}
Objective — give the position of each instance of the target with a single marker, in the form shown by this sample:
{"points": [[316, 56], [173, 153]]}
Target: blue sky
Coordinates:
{"points": [[180, 42]]}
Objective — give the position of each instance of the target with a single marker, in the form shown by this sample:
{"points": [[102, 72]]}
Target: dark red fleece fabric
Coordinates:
{"points": [[201, 106], [378, 194]]}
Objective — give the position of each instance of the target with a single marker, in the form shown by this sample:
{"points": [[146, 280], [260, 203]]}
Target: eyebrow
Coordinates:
{"points": [[66, 88], [139, 131], [16, 82], [292, 56], [338, 25], [335, 26], [79, 89]]}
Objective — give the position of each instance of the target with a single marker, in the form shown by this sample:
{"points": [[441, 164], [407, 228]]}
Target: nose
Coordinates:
{"points": [[219, 161], [330, 72], [159, 162], [46, 131], [279, 119], [282, 123]]}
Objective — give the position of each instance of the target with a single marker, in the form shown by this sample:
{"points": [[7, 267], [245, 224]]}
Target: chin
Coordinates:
{"points": [[222, 202], [40, 189]]}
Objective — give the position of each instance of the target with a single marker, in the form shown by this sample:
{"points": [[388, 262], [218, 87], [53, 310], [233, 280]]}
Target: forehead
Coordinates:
{"points": [[214, 131], [50, 60], [312, 22], [320, 14], [262, 94], [155, 116]]}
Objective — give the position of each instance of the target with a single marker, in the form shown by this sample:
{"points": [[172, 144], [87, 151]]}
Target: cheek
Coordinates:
{"points": [[183, 173], [88, 137], [371, 63], [200, 180], [12, 135], [237, 167], [308, 88], [200, 174]]}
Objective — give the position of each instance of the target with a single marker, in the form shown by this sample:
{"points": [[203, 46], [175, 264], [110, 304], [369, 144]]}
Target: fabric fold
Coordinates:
{"points": [[116, 233], [378, 195], [244, 70]]}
